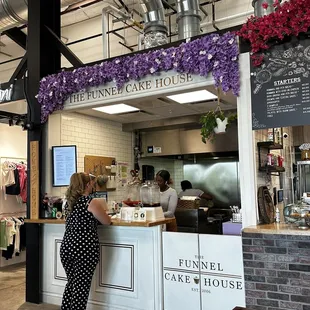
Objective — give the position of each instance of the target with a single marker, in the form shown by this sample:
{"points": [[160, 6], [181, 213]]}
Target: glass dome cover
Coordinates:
{"points": [[150, 194]]}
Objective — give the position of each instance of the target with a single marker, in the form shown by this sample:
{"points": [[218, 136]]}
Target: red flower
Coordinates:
{"points": [[291, 18]]}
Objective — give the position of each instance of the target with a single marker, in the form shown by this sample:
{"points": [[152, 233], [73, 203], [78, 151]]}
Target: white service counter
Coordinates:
{"points": [[128, 276], [147, 269]]}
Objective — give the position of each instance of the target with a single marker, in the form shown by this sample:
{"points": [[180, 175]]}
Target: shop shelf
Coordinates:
{"points": [[270, 145], [272, 169]]}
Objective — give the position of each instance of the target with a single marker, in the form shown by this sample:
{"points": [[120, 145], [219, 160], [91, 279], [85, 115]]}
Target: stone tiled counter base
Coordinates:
{"points": [[276, 267]]}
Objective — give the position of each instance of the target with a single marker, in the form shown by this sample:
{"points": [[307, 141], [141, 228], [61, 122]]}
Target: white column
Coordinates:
{"points": [[247, 157]]}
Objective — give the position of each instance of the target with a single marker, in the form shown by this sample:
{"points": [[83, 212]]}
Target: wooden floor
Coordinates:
{"points": [[27, 306], [12, 290]]}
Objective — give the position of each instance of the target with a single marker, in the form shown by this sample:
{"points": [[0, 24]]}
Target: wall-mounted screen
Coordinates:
{"points": [[64, 161]]}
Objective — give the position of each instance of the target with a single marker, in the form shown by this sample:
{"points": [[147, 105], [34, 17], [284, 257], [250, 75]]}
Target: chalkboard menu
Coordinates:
{"points": [[281, 86]]}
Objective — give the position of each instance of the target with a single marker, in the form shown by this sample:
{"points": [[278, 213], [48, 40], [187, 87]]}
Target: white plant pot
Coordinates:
{"points": [[221, 125]]}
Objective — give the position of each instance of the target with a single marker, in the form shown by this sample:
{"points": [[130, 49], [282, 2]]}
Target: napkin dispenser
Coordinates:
{"points": [[127, 214]]}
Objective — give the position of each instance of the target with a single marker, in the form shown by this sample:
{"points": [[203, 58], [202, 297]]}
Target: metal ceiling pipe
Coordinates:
{"points": [[188, 18], [259, 9], [155, 29], [105, 25], [14, 13]]}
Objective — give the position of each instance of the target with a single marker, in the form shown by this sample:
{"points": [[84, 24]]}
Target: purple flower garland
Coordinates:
{"points": [[211, 53]]}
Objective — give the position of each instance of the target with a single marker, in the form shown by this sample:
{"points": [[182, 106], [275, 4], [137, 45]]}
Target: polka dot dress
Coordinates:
{"points": [[79, 253]]}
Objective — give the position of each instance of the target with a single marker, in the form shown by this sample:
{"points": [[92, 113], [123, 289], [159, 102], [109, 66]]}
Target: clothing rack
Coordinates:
{"points": [[13, 158], [13, 213]]}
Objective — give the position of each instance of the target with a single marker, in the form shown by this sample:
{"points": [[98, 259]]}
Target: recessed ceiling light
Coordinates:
{"points": [[116, 109], [194, 96]]}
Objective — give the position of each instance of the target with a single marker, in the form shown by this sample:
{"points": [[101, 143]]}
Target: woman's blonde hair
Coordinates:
{"points": [[76, 189]]}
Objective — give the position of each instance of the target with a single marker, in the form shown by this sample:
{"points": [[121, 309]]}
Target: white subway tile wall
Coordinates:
{"points": [[175, 167], [94, 136]]}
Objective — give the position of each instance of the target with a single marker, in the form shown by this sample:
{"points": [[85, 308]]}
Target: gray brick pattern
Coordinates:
{"points": [[276, 271]]}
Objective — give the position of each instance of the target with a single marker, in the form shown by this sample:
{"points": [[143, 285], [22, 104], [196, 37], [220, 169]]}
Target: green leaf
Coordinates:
{"points": [[208, 123]]}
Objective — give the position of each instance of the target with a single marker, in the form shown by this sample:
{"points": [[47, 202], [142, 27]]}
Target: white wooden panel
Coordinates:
{"points": [[181, 271], [128, 276], [199, 270], [221, 269], [120, 273], [59, 272]]}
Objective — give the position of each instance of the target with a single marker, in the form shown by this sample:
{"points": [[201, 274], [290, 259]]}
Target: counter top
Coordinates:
{"points": [[276, 229], [115, 222]]}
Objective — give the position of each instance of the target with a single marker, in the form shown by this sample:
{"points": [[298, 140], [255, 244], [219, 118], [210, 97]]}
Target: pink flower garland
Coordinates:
{"points": [[290, 19]]}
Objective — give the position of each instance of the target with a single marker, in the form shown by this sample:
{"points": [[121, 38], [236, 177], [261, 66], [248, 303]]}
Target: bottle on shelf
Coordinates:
{"points": [[269, 159], [270, 135], [277, 215], [279, 136], [280, 161]]}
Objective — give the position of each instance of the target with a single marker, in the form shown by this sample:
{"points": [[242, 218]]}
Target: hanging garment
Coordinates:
{"points": [[8, 177], [18, 223], [22, 171], [79, 253], [22, 230], [9, 252], [23, 191], [3, 236], [15, 188], [10, 231]]}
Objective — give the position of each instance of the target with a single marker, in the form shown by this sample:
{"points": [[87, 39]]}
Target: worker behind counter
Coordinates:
{"points": [[188, 190]]}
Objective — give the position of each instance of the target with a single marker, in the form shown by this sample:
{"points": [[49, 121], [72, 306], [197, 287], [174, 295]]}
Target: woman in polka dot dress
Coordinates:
{"points": [[79, 251]]}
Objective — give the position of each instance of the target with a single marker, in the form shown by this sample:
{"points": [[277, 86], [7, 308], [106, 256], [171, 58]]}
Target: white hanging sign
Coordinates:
{"points": [[151, 85]]}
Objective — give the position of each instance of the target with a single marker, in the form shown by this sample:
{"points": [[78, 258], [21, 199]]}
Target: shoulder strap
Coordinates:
{"points": [[88, 201]]}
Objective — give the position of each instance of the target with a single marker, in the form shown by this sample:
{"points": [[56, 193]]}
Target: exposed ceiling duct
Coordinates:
{"points": [[110, 9], [155, 29], [259, 9], [188, 18], [14, 13]]}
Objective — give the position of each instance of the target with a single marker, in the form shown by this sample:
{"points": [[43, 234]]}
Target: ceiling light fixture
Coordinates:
{"points": [[116, 109], [194, 96]]}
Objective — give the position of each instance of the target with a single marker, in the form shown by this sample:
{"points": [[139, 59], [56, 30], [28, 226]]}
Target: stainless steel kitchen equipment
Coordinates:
{"points": [[303, 178], [218, 177]]}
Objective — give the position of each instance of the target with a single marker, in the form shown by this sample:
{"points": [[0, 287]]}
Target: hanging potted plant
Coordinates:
{"points": [[215, 122]]}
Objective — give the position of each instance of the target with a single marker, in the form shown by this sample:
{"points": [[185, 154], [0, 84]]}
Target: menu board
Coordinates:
{"points": [[281, 86], [64, 164]]}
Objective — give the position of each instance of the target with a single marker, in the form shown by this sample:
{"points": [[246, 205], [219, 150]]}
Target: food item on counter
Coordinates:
{"points": [[130, 202], [295, 215]]}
